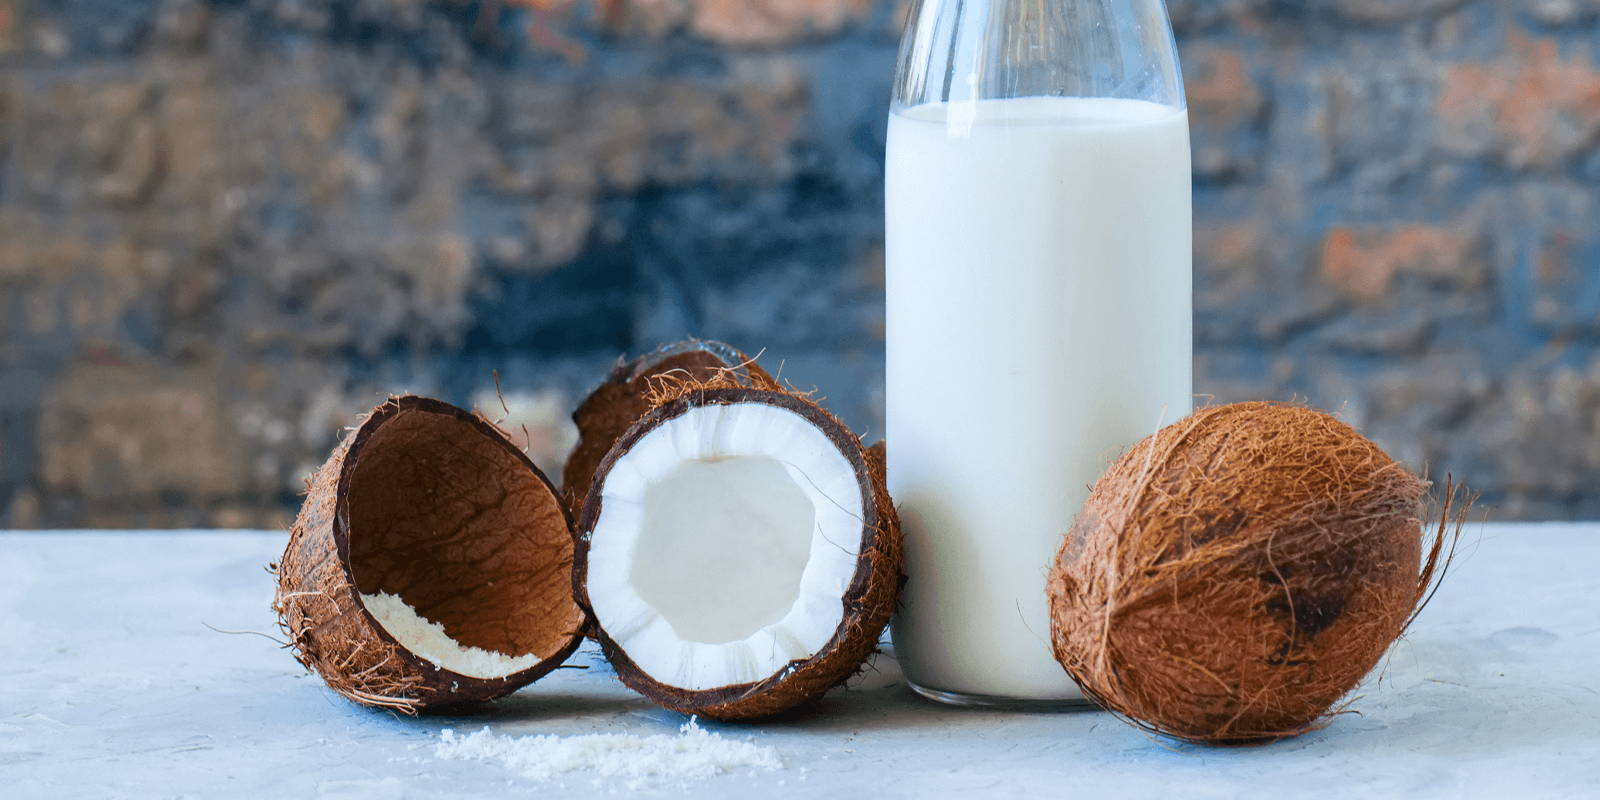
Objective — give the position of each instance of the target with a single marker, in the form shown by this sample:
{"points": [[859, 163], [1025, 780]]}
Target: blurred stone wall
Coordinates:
{"points": [[226, 227]]}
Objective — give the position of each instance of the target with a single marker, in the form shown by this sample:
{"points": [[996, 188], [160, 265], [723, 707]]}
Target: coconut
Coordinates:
{"points": [[1233, 576], [623, 398], [738, 551], [430, 566]]}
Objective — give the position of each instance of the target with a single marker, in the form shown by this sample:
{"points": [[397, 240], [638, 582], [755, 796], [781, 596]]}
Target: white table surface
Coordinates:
{"points": [[112, 685]]}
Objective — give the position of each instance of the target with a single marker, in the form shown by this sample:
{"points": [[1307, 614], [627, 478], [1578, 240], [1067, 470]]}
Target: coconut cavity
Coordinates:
{"points": [[738, 552], [743, 518], [457, 549], [450, 521]]}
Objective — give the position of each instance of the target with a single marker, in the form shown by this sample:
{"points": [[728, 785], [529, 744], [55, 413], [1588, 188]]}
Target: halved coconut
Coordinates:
{"points": [[738, 551], [430, 566], [624, 397]]}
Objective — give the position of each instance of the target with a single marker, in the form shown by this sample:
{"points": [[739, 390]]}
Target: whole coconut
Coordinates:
{"points": [[1234, 575]]}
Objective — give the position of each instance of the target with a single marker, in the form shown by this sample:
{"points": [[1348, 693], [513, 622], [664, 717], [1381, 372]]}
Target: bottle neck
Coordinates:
{"points": [[969, 50]]}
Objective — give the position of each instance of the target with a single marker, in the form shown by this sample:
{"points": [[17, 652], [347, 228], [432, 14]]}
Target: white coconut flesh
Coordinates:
{"points": [[726, 540], [427, 640]]}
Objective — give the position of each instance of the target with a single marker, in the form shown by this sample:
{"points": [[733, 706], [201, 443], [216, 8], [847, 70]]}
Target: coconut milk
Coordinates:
{"points": [[1039, 322]]}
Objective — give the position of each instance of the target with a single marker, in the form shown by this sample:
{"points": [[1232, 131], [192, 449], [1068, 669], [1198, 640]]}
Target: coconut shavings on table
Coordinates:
{"points": [[693, 753]]}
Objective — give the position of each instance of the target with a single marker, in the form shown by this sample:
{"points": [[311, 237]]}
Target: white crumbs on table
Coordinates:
{"points": [[692, 753]]}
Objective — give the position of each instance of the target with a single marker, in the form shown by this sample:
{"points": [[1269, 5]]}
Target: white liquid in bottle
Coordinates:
{"points": [[1039, 322]]}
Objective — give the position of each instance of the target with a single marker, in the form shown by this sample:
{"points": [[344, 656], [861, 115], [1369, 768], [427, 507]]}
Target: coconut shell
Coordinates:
{"points": [[1235, 575], [624, 397], [436, 505], [868, 603]]}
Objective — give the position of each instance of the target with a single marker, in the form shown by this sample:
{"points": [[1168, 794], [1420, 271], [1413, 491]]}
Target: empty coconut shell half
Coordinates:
{"points": [[738, 550], [430, 565], [624, 397]]}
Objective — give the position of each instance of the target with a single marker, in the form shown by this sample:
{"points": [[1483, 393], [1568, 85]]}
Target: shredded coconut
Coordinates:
{"points": [[426, 639], [693, 753]]}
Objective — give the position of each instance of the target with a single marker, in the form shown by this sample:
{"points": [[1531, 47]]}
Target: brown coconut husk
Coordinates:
{"points": [[436, 505], [1235, 575], [868, 603], [624, 397]]}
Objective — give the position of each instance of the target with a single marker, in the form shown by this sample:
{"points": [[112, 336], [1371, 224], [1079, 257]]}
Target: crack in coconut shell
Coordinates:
{"points": [[867, 603], [616, 404], [498, 577], [1235, 575]]}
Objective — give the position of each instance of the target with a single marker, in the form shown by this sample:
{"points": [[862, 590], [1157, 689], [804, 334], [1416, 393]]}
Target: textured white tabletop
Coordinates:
{"points": [[112, 685]]}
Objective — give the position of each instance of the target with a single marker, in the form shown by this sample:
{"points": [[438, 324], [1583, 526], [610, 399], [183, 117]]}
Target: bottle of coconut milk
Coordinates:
{"points": [[1039, 310]]}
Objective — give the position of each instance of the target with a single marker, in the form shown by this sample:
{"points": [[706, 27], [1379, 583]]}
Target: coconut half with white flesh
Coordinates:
{"points": [[738, 551], [430, 566]]}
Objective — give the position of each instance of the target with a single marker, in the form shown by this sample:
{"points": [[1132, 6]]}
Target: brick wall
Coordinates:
{"points": [[227, 226]]}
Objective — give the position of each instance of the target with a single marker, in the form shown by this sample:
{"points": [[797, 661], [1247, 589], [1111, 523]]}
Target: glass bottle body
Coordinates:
{"points": [[1039, 274]]}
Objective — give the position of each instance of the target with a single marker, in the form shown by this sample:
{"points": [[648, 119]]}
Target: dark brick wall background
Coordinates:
{"points": [[228, 226]]}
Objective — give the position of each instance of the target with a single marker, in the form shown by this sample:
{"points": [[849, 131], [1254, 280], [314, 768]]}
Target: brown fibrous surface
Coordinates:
{"points": [[433, 504], [624, 397], [868, 602], [1235, 575]]}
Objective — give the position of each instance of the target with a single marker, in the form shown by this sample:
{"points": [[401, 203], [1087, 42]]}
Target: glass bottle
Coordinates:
{"points": [[1040, 310]]}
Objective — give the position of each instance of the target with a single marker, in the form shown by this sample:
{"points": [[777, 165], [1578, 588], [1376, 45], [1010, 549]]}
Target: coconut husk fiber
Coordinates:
{"points": [[1235, 575], [434, 504]]}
